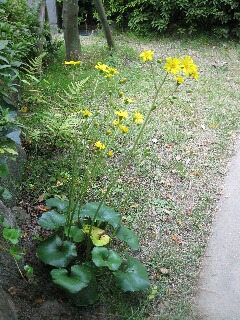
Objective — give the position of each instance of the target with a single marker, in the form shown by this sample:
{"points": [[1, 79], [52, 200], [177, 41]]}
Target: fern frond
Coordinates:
{"points": [[75, 88], [34, 66]]}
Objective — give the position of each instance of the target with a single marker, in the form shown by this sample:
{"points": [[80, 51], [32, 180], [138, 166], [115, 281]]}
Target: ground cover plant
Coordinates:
{"points": [[167, 193]]}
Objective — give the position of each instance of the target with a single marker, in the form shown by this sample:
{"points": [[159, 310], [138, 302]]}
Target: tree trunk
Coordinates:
{"points": [[70, 30], [103, 19], [39, 6], [52, 16]]}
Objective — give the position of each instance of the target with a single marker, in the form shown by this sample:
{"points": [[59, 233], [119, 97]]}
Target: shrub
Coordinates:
{"points": [[143, 16]]}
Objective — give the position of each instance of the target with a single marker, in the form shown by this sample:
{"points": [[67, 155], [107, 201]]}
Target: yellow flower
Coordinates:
{"points": [[87, 113], [72, 62], [138, 117], [122, 114], [112, 70], [106, 69], [128, 100], [110, 153], [120, 94], [100, 145], [123, 80], [108, 75], [146, 55], [173, 66], [194, 73], [123, 128], [179, 79], [115, 122], [102, 67]]}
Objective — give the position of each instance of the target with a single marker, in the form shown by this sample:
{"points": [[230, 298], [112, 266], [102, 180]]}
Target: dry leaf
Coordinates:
{"points": [[164, 271], [41, 197], [169, 291], [213, 126], [39, 300], [176, 239], [168, 145], [134, 205], [12, 291], [43, 208], [179, 222]]}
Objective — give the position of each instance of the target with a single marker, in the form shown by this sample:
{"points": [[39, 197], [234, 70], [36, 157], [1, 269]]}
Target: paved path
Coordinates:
{"points": [[219, 285]]}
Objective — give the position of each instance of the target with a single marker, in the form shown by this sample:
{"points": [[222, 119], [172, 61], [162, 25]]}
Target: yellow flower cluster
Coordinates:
{"points": [[122, 114], [72, 62], [99, 145], [146, 55], [181, 66], [109, 71]]}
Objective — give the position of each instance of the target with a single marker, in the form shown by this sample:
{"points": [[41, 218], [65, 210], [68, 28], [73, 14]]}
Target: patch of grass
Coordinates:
{"points": [[169, 192]]}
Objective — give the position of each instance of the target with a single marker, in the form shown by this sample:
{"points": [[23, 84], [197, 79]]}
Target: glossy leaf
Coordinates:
{"points": [[75, 233], [78, 278], [55, 252], [128, 236], [105, 214], [60, 204], [102, 257], [134, 277], [52, 220], [86, 296]]}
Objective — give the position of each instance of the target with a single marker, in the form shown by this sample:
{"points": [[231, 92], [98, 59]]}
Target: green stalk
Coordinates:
{"points": [[109, 188]]}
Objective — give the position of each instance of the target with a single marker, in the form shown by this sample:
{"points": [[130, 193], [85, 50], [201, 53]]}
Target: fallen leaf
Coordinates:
{"points": [[176, 239], [169, 291], [41, 197], [213, 126], [134, 205], [24, 109], [12, 291], [168, 145], [179, 222], [43, 208], [164, 271], [39, 300]]}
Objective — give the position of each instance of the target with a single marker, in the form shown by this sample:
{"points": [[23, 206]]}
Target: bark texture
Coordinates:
{"points": [[105, 25], [70, 30]]}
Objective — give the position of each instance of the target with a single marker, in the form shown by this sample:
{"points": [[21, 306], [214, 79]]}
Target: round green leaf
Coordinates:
{"points": [[51, 220], [102, 257], [128, 236], [56, 252], [105, 214], [134, 277], [78, 278], [60, 204], [12, 235], [87, 295], [75, 233]]}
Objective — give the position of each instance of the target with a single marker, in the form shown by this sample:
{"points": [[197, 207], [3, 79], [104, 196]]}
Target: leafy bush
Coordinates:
{"points": [[18, 39], [143, 16]]}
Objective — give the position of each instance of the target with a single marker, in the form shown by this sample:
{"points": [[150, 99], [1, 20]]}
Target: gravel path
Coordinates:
{"points": [[219, 285]]}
